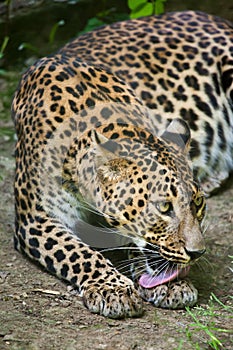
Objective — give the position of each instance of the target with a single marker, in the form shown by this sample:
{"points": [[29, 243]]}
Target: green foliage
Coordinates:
{"points": [[207, 324], [28, 46], [141, 8], [54, 29], [198, 326], [92, 23], [2, 50], [52, 34], [138, 8], [3, 46], [226, 307], [102, 18], [7, 133]]}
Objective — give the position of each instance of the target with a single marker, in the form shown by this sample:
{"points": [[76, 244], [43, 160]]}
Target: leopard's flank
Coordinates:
{"points": [[121, 134]]}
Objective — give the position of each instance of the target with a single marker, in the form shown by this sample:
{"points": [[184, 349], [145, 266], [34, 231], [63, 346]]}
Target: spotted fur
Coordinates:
{"points": [[104, 138]]}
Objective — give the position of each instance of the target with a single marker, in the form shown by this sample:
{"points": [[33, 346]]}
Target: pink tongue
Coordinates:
{"points": [[147, 281]]}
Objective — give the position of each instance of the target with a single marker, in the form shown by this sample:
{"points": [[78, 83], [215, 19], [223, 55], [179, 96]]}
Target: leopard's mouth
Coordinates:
{"points": [[149, 281]]}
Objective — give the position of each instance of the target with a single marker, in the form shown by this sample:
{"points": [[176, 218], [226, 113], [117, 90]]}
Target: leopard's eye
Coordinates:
{"points": [[198, 201], [200, 207], [164, 207]]}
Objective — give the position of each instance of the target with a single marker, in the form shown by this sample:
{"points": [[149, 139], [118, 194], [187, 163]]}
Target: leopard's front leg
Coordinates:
{"points": [[174, 295], [103, 289]]}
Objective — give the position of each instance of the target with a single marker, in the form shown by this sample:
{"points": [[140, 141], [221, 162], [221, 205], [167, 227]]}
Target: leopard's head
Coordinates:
{"points": [[144, 187]]}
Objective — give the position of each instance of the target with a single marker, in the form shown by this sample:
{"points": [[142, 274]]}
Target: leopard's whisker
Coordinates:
{"points": [[126, 265], [206, 262]]}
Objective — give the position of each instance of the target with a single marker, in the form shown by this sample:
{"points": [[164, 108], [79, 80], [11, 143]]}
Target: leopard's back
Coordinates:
{"points": [[180, 65]]}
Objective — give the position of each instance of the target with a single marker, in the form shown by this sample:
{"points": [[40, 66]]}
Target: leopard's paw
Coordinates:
{"points": [[113, 302], [175, 295]]}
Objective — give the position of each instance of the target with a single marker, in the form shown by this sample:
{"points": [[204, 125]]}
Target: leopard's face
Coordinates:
{"points": [[166, 212], [150, 195]]}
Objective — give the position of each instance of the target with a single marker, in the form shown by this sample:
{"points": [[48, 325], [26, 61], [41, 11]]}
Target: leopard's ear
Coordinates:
{"points": [[110, 167], [97, 138], [178, 133], [104, 148]]}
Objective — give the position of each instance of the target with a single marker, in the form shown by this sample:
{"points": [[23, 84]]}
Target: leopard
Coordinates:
{"points": [[121, 136]]}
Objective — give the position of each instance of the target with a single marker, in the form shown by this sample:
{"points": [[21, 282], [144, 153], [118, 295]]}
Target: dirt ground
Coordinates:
{"points": [[37, 311]]}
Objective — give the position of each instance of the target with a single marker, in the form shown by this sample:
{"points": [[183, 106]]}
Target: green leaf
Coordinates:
{"points": [[140, 8], [92, 24], [54, 30], [133, 4], [3, 46], [28, 46], [159, 7]]}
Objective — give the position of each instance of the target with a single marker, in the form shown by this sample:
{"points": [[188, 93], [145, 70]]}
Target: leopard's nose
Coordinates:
{"points": [[195, 254]]}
